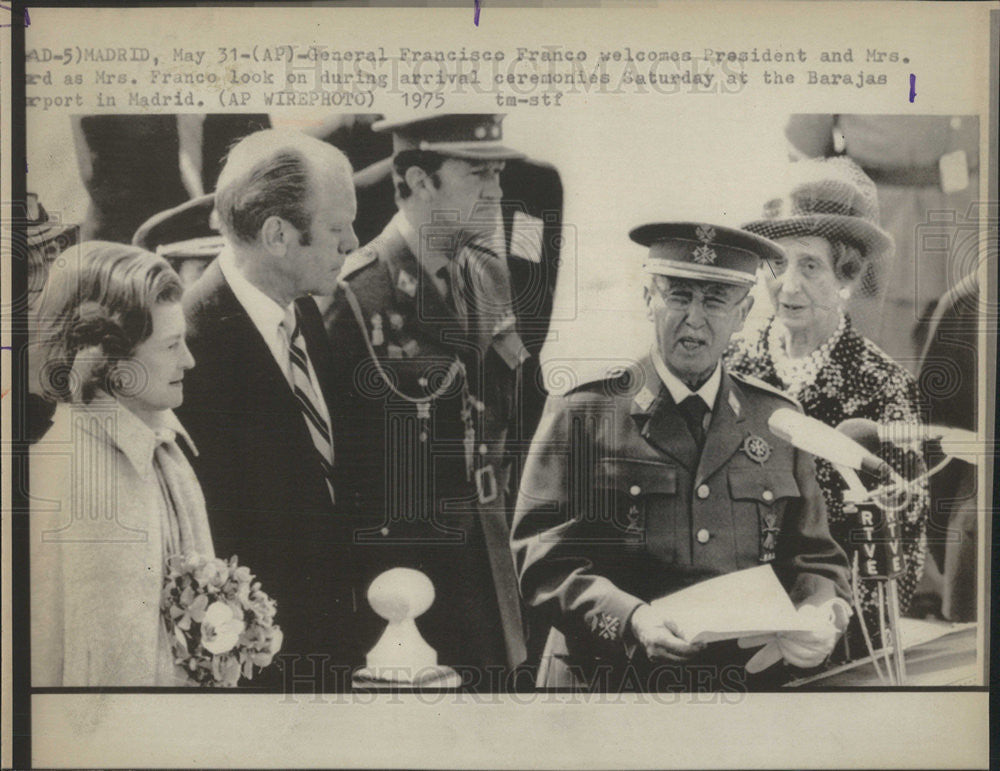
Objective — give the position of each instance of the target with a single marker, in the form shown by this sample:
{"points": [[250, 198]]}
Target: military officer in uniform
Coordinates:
{"points": [[439, 369], [665, 475]]}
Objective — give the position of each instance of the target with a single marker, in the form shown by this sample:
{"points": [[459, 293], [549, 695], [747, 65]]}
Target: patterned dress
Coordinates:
{"points": [[858, 380]]}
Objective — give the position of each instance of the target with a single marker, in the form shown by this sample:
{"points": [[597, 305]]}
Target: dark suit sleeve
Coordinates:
{"points": [[810, 564], [557, 539]]}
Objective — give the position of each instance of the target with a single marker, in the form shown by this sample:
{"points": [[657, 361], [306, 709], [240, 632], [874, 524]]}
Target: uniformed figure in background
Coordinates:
{"points": [[665, 475], [926, 169], [953, 346], [444, 359], [531, 209], [119, 157], [46, 238]]}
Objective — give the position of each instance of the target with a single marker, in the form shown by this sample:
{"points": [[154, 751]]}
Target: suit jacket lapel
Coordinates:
{"points": [[725, 435], [661, 422], [241, 335]]}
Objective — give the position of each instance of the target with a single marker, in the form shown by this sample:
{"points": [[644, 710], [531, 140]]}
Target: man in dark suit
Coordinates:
{"points": [[665, 475], [445, 360], [267, 411]]}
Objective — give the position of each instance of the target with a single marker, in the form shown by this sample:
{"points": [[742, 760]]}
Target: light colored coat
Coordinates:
{"points": [[100, 530]]}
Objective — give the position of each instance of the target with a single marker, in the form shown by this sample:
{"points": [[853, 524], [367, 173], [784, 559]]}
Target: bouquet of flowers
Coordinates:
{"points": [[220, 623]]}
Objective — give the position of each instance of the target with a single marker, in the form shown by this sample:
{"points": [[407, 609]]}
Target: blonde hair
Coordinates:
{"points": [[95, 310]]}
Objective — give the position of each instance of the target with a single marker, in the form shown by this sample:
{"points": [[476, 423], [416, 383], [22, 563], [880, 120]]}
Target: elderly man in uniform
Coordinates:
{"points": [[665, 475], [442, 357]]}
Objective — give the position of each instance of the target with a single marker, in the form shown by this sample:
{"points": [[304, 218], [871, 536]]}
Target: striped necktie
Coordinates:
{"points": [[307, 397]]}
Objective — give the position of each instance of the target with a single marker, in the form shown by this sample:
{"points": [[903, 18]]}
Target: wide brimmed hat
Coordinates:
{"points": [[828, 197], [699, 251], [470, 136]]}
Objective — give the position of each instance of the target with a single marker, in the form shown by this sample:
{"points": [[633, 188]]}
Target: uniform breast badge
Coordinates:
{"points": [[768, 535], [756, 449], [407, 283], [378, 338], [634, 527]]}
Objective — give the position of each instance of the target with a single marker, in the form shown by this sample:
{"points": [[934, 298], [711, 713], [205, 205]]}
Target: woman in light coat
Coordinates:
{"points": [[112, 494]]}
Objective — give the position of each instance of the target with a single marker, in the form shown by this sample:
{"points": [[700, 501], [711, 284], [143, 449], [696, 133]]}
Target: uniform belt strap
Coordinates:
{"points": [[496, 535]]}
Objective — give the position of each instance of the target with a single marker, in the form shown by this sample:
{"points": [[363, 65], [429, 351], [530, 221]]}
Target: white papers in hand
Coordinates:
{"points": [[741, 604]]}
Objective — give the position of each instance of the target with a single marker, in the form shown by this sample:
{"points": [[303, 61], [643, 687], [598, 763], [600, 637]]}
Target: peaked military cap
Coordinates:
{"points": [[182, 233], [42, 229], [703, 252], [470, 136]]}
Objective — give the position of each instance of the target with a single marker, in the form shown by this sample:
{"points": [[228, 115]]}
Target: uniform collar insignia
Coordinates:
{"points": [[644, 399], [734, 403]]}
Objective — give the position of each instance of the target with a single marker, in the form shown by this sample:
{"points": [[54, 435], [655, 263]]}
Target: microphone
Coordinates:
{"points": [[954, 442], [815, 437]]}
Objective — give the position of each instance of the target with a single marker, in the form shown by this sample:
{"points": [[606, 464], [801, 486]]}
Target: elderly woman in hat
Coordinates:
{"points": [[828, 227], [113, 496]]}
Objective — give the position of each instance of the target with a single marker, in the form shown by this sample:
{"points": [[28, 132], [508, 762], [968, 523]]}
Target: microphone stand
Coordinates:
{"points": [[877, 559]]}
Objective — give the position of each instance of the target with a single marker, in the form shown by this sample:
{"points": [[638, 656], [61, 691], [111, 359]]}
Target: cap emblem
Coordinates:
{"points": [[705, 254]]}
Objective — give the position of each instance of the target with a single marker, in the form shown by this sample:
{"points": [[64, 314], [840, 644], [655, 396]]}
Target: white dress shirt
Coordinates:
{"points": [[679, 390], [267, 316]]}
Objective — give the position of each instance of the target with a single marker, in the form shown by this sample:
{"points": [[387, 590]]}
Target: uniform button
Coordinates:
{"points": [[956, 123], [483, 449], [634, 490], [423, 436], [703, 492], [767, 495], [703, 535], [384, 531]]}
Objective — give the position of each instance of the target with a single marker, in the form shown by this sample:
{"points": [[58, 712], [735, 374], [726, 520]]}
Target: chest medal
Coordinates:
{"points": [[756, 449]]}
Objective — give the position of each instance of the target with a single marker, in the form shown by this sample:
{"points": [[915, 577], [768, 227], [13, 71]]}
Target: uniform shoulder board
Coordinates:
{"points": [[760, 385], [357, 260], [614, 381]]}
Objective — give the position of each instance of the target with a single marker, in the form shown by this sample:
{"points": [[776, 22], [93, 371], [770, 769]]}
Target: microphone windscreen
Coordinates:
{"points": [[863, 431], [815, 437]]}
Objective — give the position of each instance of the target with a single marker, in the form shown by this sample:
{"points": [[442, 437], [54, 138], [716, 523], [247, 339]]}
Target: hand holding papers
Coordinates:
{"points": [[658, 634], [805, 649], [753, 606], [745, 603]]}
